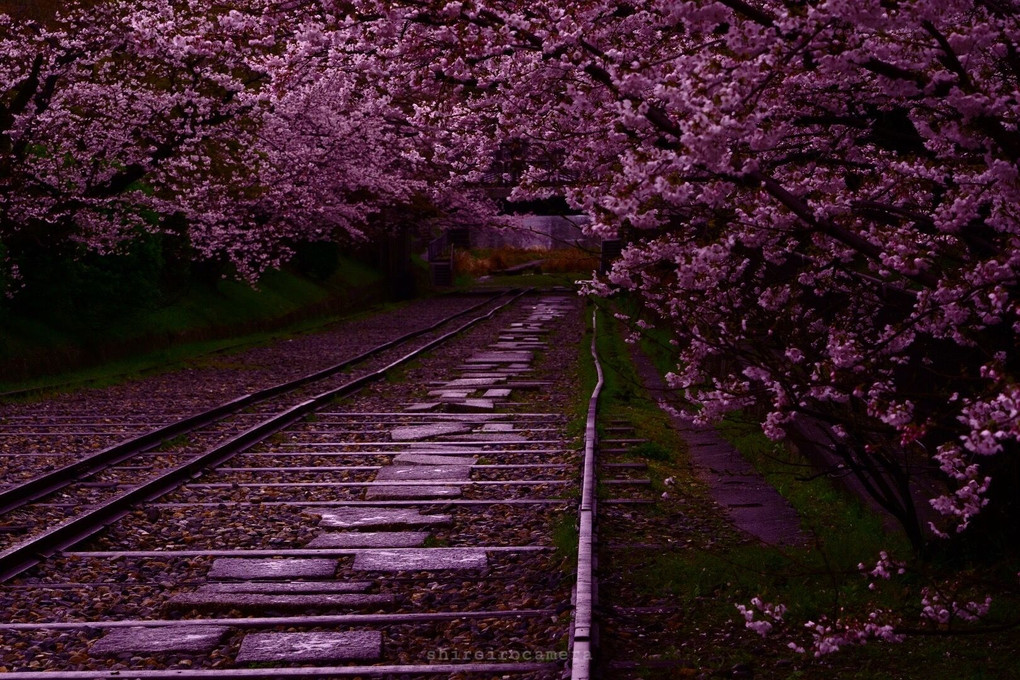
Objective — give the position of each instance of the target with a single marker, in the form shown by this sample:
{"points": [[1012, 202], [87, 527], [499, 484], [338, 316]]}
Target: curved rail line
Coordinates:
{"points": [[583, 633], [26, 554], [474, 490], [59, 387], [27, 491]]}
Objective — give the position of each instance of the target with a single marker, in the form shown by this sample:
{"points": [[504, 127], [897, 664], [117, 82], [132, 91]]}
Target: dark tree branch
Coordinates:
{"points": [[949, 58]]}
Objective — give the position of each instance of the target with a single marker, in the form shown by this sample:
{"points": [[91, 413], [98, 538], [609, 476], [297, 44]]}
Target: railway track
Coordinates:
{"points": [[69, 453], [415, 520], [58, 431]]}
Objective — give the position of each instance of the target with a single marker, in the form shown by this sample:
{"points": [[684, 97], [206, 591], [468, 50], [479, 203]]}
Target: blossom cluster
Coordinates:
{"points": [[935, 609], [828, 637], [771, 614], [884, 568], [244, 129], [820, 202]]}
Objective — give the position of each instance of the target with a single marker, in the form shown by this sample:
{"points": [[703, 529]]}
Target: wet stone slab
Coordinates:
{"points": [[443, 473], [183, 639], [473, 373], [369, 539], [492, 438], [375, 518], [324, 647], [522, 334], [497, 393], [426, 559], [445, 448], [416, 432], [518, 345], [245, 568]]}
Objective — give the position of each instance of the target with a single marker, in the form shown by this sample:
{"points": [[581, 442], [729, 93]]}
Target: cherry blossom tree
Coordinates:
{"points": [[836, 220], [820, 198], [254, 126], [820, 202], [104, 103]]}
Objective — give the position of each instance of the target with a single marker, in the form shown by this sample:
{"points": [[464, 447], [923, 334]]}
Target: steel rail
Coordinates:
{"points": [[582, 635], [32, 489], [27, 554]]}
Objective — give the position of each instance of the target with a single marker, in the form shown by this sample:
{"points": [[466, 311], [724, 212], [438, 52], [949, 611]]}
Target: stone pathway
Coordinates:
{"points": [[751, 503]]}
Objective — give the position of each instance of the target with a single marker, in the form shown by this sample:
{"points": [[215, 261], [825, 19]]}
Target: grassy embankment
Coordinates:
{"points": [[100, 323], [704, 567], [58, 346]]}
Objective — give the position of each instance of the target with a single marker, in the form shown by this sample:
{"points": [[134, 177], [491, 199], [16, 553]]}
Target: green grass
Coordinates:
{"points": [[652, 451], [845, 527], [713, 568], [624, 398], [565, 539], [179, 441], [482, 261], [398, 374], [225, 317]]}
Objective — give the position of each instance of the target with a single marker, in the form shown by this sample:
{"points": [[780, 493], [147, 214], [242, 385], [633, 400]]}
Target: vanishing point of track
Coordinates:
{"points": [[398, 523]]}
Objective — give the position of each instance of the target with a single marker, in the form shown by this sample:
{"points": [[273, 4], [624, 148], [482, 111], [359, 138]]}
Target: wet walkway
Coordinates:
{"points": [[751, 503]]}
